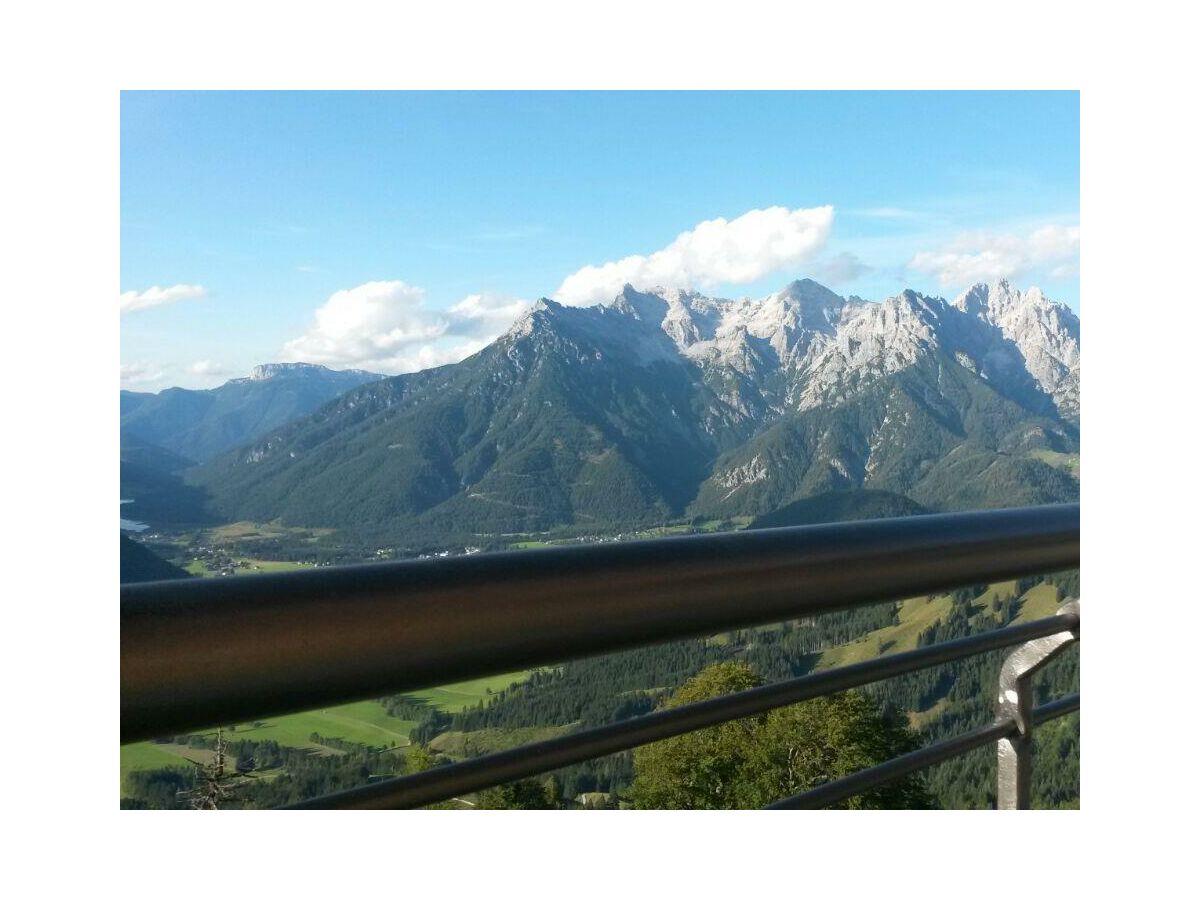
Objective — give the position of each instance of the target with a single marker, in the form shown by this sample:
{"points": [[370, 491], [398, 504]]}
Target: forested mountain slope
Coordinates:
{"points": [[138, 563]]}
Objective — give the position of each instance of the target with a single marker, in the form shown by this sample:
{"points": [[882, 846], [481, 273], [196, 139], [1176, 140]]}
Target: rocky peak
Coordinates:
{"points": [[540, 312], [873, 340], [270, 371], [811, 300], [649, 306], [267, 371], [1003, 305], [1045, 333]]}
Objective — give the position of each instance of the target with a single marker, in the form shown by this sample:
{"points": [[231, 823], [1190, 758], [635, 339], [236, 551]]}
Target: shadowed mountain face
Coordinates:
{"points": [[152, 484], [141, 564], [667, 403], [198, 425]]}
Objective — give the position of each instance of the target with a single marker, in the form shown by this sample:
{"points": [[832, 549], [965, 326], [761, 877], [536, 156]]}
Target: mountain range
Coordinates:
{"points": [[199, 424], [666, 403]]}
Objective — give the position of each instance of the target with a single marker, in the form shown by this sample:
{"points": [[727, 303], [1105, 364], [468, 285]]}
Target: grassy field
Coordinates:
{"points": [[998, 592], [251, 531], [249, 566], [1038, 603], [148, 755], [1068, 462], [364, 722], [923, 612], [273, 565], [457, 697], [915, 616]]}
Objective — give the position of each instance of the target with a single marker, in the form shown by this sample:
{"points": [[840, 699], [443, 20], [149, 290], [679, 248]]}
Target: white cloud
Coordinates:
{"points": [[717, 251], [132, 301], [384, 326], [140, 374], [982, 256]]}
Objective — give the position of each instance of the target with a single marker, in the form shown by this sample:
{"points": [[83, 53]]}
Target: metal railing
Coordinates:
{"points": [[224, 650]]}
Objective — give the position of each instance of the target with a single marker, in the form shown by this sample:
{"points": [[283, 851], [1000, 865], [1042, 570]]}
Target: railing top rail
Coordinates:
{"points": [[198, 653]]}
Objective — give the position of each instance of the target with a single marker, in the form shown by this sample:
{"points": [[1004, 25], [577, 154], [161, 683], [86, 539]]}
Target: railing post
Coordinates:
{"points": [[1015, 752]]}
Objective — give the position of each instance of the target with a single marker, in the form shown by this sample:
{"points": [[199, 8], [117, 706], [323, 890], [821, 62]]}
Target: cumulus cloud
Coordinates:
{"points": [[717, 251], [131, 301], [385, 326], [841, 268], [982, 256], [369, 323]]}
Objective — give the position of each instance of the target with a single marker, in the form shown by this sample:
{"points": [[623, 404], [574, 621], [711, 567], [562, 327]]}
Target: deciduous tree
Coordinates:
{"points": [[750, 762]]}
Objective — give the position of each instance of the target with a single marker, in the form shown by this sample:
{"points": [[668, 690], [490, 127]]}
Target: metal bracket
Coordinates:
{"points": [[1015, 753]]}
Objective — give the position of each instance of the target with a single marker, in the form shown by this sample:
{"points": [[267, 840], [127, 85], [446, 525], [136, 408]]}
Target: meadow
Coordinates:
{"points": [[364, 722], [920, 613], [245, 565]]}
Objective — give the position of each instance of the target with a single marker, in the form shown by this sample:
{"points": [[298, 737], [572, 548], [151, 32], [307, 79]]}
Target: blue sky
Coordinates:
{"points": [[430, 218]]}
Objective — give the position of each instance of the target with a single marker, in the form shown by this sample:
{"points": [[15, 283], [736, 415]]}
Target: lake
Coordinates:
{"points": [[132, 524]]}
